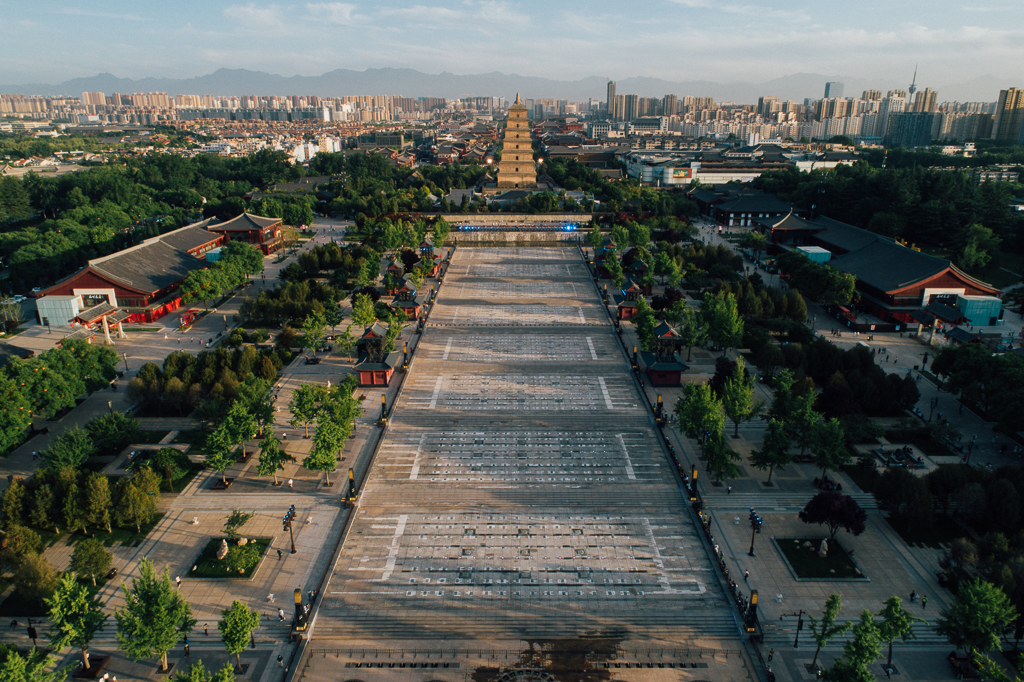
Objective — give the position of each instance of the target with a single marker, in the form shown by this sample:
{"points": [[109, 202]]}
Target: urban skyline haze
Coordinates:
{"points": [[674, 40]]}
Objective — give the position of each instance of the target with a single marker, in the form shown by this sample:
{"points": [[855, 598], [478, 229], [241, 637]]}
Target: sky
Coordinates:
{"points": [[49, 41]]}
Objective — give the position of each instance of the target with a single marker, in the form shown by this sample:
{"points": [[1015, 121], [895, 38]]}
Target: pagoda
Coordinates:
{"points": [[375, 365], [516, 170], [663, 365]]}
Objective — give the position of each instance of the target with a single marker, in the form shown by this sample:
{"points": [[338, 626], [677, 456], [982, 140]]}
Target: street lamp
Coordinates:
{"points": [[288, 526], [755, 528], [125, 356], [799, 625]]}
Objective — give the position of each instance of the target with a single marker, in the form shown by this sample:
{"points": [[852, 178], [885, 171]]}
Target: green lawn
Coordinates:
{"points": [[208, 566], [807, 564], [126, 536]]}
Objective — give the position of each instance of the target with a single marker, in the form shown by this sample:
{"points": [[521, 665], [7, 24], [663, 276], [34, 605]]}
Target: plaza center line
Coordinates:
{"points": [[590, 342], [630, 474], [583, 320], [447, 348], [607, 396], [389, 566], [414, 474], [437, 392]]}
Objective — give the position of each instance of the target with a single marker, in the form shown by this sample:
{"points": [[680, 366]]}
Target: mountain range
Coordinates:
{"points": [[412, 83]]}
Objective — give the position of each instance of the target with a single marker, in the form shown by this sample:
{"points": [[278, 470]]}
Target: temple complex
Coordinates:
{"points": [[516, 170]]}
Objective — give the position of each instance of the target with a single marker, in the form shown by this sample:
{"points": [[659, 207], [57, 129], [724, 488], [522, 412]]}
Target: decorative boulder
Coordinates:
{"points": [[242, 542], [223, 551]]}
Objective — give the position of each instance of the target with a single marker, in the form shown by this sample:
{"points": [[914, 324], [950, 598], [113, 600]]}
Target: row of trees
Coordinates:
{"points": [[822, 283], [993, 384], [237, 262], [46, 384], [333, 411], [290, 302], [917, 204], [209, 381]]}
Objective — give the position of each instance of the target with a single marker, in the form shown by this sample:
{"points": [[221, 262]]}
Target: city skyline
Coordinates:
{"points": [[681, 40]]}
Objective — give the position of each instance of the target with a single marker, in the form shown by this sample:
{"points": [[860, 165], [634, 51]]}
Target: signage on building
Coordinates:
{"points": [[681, 173]]}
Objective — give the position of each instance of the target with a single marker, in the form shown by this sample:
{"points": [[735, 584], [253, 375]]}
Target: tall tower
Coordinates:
{"points": [[611, 98], [1009, 121], [913, 86], [833, 90], [516, 169]]}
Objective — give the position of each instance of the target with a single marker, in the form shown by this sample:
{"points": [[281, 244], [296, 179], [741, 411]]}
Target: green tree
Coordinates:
{"points": [[802, 420], [155, 615], [755, 241], [441, 231], [699, 411], [594, 238], [35, 667], [692, 328], [96, 501], [644, 323], [825, 630], [70, 448], [977, 617], [34, 577], [858, 652], [725, 326], [112, 432], [362, 311], [13, 505], [719, 458], [347, 340], [90, 558], [220, 451], [313, 330], [774, 452], [738, 398], [272, 457], [897, 623], [327, 442], [305, 405], [828, 445], [75, 615], [167, 462], [236, 626], [135, 506], [241, 424], [246, 257], [197, 673]]}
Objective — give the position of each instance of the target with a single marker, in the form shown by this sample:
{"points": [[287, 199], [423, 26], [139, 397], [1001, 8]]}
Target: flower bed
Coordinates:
{"points": [[240, 563]]}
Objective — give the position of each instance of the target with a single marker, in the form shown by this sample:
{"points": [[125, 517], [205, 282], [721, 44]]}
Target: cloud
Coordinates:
{"points": [[74, 11], [255, 18], [333, 12]]}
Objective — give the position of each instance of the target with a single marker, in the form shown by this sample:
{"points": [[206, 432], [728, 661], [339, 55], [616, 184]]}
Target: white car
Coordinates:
{"points": [[8, 301], [19, 298]]}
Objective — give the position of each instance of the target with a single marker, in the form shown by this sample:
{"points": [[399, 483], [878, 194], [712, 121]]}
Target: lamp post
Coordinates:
{"points": [[755, 528], [125, 356], [288, 526], [799, 625]]}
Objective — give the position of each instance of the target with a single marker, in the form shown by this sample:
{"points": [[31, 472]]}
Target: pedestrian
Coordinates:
{"points": [[746, 574], [206, 629], [913, 596], [177, 581], [290, 483], [771, 654], [187, 654], [280, 660], [278, 553], [728, 490], [280, 614], [924, 601]]}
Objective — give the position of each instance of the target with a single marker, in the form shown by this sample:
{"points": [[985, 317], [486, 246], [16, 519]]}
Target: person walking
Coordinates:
{"points": [[177, 581], [924, 601], [728, 490], [206, 629], [280, 614], [746, 574]]}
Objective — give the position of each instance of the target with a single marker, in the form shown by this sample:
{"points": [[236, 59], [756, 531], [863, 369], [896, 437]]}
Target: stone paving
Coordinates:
{"points": [[521, 491]]}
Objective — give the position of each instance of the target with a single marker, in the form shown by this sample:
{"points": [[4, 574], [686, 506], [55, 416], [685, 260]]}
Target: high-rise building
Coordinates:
{"points": [[1009, 122], [833, 90], [618, 109], [611, 98], [516, 169], [766, 106], [669, 105], [872, 94], [913, 129], [887, 108], [632, 107], [926, 102]]}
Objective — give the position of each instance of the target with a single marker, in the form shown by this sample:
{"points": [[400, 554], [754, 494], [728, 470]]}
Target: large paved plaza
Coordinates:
{"points": [[521, 492]]}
